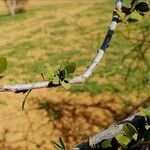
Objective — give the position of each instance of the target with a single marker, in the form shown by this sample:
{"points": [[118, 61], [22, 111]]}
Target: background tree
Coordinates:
{"points": [[15, 6]]}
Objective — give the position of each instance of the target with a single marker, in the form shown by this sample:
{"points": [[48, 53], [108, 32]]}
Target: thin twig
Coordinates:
{"points": [[24, 101], [136, 107]]}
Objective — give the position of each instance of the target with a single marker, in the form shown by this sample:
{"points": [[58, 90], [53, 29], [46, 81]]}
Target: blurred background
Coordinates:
{"points": [[36, 32]]}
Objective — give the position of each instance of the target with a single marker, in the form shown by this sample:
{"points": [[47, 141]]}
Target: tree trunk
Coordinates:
{"points": [[11, 4]]}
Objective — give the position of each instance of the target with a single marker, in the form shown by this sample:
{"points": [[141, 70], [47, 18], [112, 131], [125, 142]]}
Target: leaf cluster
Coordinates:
{"points": [[60, 75], [134, 13], [134, 136]]}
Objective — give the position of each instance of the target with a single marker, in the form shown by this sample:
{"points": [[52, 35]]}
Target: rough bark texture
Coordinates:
{"points": [[108, 133]]}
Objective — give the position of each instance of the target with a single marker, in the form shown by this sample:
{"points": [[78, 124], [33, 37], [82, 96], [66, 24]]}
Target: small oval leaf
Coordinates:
{"points": [[48, 72], [142, 7], [129, 130], [71, 67], [65, 85], [62, 74], [147, 135], [121, 15], [56, 80], [145, 112], [134, 17], [62, 143], [106, 144], [122, 140]]}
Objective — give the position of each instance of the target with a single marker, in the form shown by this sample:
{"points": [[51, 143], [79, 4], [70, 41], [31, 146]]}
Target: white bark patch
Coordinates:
{"points": [[113, 25], [119, 5], [90, 69]]}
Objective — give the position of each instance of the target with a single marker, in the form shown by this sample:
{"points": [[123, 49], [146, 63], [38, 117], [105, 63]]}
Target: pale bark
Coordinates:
{"points": [[11, 5], [15, 6], [110, 132]]}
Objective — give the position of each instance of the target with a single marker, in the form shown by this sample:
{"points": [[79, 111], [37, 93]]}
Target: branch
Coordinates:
{"points": [[109, 133], [18, 88]]}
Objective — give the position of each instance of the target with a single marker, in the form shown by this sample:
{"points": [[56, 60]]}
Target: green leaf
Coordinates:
{"points": [[106, 144], [147, 127], [65, 85], [64, 64], [71, 67], [62, 143], [62, 74], [147, 135], [3, 64], [145, 112], [49, 72], [142, 7], [135, 136], [56, 79], [122, 140], [58, 145], [133, 4], [126, 3], [130, 130], [134, 17], [122, 15]]}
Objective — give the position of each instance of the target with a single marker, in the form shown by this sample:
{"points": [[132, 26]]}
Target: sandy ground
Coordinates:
{"points": [[71, 116]]}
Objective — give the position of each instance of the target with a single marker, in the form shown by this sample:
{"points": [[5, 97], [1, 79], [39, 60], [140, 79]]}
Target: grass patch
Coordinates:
{"points": [[36, 31], [62, 32], [20, 50], [60, 57], [83, 61], [45, 8], [20, 17], [61, 23], [95, 88]]}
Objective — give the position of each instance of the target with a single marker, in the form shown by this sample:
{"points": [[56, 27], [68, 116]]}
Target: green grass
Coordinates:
{"points": [[95, 88], [41, 8], [20, 49], [61, 23], [5, 19]]}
